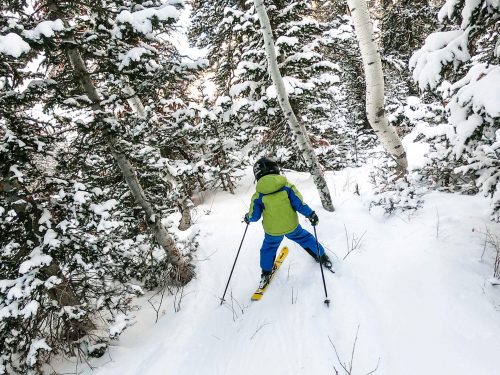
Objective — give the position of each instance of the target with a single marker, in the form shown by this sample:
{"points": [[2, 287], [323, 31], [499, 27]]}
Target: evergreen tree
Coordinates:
{"points": [[80, 105], [231, 32], [404, 26], [462, 64]]}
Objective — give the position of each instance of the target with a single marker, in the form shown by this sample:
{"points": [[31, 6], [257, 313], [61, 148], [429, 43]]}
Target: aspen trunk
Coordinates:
{"points": [[184, 271], [297, 127], [185, 205], [375, 83]]}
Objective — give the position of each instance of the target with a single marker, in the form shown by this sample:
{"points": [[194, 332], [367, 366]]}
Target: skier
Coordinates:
{"points": [[278, 201]]}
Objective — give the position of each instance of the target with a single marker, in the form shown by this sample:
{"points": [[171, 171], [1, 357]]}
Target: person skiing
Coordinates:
{"points": [[278, 201]]}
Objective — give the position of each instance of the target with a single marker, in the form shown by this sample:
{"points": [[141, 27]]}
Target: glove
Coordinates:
{"points": [[246, 219], [314, 219]]}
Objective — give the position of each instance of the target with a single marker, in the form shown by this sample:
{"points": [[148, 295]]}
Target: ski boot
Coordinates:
{"points": [[325, 260], [264, 279]]}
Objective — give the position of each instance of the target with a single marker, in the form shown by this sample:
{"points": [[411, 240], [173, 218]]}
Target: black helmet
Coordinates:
{"points": [[265, 166]]}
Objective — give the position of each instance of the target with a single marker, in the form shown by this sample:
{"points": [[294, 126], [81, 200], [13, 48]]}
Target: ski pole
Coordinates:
{"points": [[327, 301], [234, 264]]}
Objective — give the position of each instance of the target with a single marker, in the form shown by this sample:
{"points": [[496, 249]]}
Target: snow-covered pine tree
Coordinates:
{"points": [[79, 231], [48, 290], [461, 63], [231, 32], [138, 23], [404, 25]]}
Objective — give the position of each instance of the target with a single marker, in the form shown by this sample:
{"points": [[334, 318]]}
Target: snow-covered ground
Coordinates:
{"points": [[416, 288]]}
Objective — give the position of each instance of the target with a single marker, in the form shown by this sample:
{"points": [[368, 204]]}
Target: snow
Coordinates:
{"points": [[416, 288], [37, 258], [135, 54], [50, 238], [13, 45], [465, 127], [35, 346], [45, 28], [440, 49], [480, 89], [287, 40], [80, 196], [238, 88], [17, 173], [45, 218], [141, 20], [30, 309], [469, 8], [103, 208], [121, 322], [103, 211], [416, 151]]}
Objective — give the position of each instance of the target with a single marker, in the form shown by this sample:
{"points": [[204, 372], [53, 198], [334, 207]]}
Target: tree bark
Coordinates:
{"points": [[184, 271], [298, 128], [185, 205], [375, 84]]}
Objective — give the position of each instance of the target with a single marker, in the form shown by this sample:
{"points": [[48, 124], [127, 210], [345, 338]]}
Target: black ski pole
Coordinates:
{"points": [[327, 301], [234, 264]]}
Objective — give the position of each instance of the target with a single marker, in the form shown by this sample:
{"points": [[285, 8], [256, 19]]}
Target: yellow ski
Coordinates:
{"points": [[277, 264]]}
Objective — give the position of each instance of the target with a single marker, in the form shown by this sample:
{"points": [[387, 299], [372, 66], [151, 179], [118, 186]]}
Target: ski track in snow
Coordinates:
{"points": [[415, 288]]}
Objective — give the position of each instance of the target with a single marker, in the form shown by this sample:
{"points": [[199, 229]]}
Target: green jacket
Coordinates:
{"points": [[277, 201]]}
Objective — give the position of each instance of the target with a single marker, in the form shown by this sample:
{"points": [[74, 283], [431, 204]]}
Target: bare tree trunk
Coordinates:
{"points": [[375, 83], [185, 205], [183, 269], [297, 128]]}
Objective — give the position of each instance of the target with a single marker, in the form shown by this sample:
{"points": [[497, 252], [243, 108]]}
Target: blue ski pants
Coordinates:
{"points": [[271, 244]]}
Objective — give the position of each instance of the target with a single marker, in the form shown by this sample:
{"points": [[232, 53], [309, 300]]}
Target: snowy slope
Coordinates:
{"points": [[416, 288]]}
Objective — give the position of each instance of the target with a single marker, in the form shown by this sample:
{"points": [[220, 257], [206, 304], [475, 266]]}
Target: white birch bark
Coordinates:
{"points": [[165, 240], [297, 127], [185, 204], [375, 83]]}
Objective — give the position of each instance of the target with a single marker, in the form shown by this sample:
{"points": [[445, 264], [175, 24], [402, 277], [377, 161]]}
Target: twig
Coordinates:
{"points": [[375, 369], [294, 297], [354, 244], [258, 329], [177, 303], [353, 349], [338, 357], [162, 293], [206, 258], [347, 367]]}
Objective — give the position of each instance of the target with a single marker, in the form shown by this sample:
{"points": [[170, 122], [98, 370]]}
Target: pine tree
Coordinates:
{"points": [[462, 64], [101, 94], [404, 26], [231, 32]]}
